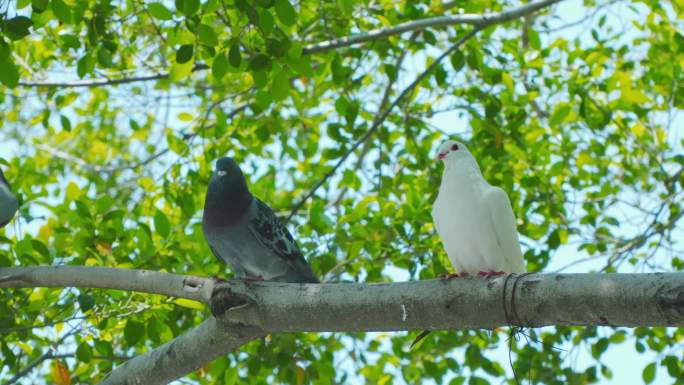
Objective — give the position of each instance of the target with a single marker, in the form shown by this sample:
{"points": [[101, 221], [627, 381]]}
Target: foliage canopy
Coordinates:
{"points": [[112, 113]]}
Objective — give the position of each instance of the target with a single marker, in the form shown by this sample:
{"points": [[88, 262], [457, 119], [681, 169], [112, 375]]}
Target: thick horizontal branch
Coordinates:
{"points": [[481, 20], [173, 285], [248, 311], [528, 300]]}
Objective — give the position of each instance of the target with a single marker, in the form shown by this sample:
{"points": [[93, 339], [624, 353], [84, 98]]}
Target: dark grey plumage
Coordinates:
{"points": [[244, 232], [8, 202]]}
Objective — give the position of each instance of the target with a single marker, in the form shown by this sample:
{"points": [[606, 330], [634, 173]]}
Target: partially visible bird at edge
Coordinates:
{"points": [[8, 202]]}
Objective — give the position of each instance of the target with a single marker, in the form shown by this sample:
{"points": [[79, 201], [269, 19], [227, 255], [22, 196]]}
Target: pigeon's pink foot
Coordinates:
{"points": [[448, 276], [490, 273], [257, 278], [451, 276]]}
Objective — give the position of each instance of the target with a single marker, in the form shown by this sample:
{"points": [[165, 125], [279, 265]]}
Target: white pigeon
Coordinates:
{"points": [[474, 220]]}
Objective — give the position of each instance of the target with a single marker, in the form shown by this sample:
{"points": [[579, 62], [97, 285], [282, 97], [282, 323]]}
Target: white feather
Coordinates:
{"points": [[474, 220]]}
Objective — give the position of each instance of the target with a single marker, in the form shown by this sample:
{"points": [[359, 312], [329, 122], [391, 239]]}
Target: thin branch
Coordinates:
{"points": [[98, 82], [172, 285], [378, 122], [45, 356], [385, 99], [479, 20]]}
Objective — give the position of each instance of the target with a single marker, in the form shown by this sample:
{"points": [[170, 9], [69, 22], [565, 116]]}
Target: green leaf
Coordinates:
{"points": [[18, 27], [234, 57], [180, 71], [104, 57], [161, 223], [220, 65], [278, 47], [176, 144], [533, 36], [39, 6], [40, 248], [184, 53], [260, 80], [85, 302], [61, 10], [266, 21], [133, 332], [280, 87], [285, 11], [9, 74], [457, 60], [302, 65], [84, 66], [207, 35], [188, 7], [346, 6], [82, 209], [84, 352], [649, 373], [159, 11], [260, 62], [66, 124]]}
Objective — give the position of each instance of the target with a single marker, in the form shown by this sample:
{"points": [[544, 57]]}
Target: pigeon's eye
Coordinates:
{"points": [[221, 172], [454, 147]]}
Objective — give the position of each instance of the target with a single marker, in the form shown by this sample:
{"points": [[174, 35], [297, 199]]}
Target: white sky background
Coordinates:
{"points": [[626, 363]]}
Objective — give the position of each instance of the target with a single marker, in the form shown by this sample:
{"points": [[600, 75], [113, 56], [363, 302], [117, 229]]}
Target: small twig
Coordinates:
{"points": [[384, 115]]}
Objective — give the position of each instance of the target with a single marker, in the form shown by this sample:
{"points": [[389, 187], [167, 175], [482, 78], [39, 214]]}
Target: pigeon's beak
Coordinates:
{"points": [[441, 155]]}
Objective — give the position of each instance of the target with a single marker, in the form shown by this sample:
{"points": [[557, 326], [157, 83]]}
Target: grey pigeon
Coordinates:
{"points": [[245, 233], [8, 202]]}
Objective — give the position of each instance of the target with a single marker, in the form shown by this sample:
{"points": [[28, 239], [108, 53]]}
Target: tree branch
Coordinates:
{"points": [[381, 119], [182, 355], [526, 300], [482, 20], [532, 300], [98, 82], [172, 285]]}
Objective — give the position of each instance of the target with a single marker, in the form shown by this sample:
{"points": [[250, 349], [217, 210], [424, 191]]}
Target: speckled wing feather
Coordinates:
{"points": [[270, 232]]}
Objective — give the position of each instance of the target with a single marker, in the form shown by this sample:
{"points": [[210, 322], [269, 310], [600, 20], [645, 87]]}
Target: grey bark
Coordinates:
{"points": [[481, 20], [248, 311], [182, 355], [172, 285], [523, 300]]}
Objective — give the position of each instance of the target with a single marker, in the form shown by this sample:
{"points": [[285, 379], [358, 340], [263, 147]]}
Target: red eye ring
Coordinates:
{"points": [[454, 147]]}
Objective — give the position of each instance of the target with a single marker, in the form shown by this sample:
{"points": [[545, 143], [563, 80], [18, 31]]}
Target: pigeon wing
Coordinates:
{"points": [[503, 223], [270, 233]]}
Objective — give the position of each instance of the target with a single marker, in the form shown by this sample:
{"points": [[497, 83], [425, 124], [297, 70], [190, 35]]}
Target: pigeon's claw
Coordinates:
{"points": [[490, 273], [447, 276], [451, 276]]}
